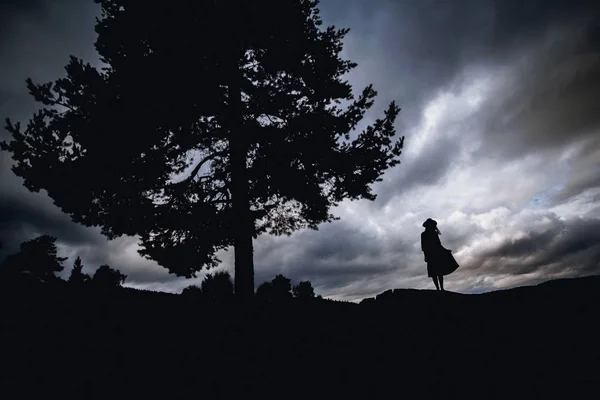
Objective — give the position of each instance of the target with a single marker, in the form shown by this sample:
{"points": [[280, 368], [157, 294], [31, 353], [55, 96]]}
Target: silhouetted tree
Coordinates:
{"points": [[278, 290], [77, 276], [217, 287], [304, 290], [263, 292], [281, 287], [255, 123], [108, 277], [192, 292], [37, 260]]}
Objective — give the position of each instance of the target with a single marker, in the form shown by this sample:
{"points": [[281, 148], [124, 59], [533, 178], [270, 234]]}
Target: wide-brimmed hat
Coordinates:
{"points": [[429, 222]]}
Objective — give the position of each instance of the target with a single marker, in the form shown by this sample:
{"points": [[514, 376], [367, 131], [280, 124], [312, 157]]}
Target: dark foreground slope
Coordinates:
{"points": [[540, 341]]}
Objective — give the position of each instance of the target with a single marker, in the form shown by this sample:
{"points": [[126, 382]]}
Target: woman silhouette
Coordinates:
{"points": [[439, 260]]}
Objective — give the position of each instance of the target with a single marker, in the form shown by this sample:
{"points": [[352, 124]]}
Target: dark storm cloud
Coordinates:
{"points": [[532, 243], [518, 20], [4, 98], [11, 9], [20, 217], [416, 47], [566, 245], [37, 39], [579, 243], [551, 103], [552, 99], [428, 169], [586, 177], [342, 248], [410, 50]]}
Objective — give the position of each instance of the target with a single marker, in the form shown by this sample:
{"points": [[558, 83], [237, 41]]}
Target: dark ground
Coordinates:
{"points": [[531, 342]]}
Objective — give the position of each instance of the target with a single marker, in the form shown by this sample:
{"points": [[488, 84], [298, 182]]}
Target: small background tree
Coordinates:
{"points": [[107, 277], [281, 288], [304, 290], [37, 260], [217, 286], [77, 276], [192, 292], [278, 290], [263, 292]]}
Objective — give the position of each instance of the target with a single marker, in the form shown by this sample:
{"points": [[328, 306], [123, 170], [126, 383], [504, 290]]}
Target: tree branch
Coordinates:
{"points": [[202, 162]]}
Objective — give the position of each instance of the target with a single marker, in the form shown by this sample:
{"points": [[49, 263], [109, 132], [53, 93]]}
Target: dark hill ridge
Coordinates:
{"points": [[539, 341], [573, 286]]}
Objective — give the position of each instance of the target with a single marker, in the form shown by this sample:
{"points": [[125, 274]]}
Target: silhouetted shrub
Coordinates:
{"points": [[368, 301], [217, 287], [304, 290], [106, 277], [263, 292], [192, 292], [281, 287], [278, 290]]}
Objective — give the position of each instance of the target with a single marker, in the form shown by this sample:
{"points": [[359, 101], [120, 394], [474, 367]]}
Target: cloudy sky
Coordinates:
{"points": [[501, 114]]}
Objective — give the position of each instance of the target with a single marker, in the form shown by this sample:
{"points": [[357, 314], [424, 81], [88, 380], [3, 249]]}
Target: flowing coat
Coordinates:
{"points": [[440, 260]]}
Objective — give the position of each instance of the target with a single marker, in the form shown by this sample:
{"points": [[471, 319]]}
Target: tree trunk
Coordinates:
{"points": [[243, 225]]}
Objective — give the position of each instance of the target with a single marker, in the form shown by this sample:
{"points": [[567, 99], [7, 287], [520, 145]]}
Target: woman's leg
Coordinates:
{"points": [[435, 281], [441, 280]]}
